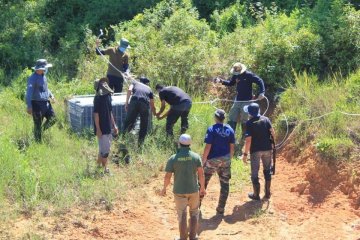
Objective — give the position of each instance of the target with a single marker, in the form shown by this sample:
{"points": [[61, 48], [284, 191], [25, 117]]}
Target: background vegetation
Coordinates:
{"points": [[307, 51]]}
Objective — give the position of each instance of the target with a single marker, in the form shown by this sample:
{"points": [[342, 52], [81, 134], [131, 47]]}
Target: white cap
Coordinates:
{"points": [[185, 139]]}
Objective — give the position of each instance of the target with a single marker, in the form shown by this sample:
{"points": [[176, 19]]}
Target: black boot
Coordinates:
{"points": [[255, 195], [267, 189]]}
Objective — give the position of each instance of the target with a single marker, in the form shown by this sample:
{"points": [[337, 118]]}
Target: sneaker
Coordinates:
{"points": [[107, 171]]}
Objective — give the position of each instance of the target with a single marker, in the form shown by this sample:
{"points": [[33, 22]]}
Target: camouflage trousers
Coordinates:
{"points": [[222, 166]]}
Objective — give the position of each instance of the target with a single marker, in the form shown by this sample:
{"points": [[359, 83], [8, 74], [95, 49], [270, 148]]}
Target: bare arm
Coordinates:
{"points": [[206, 153], [200, 172], [272, 132], [164, 115], [128, 94], [116, 130], [232, 150], [246, 148], [152, 106], [97, 124], [162, 108], [167, 180]]}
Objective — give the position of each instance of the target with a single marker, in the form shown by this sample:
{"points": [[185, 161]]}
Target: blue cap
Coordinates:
{"points": [[252, 109], [123, 44]]}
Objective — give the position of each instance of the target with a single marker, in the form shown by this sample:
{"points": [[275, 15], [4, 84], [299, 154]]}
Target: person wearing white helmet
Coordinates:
{"points": [[188, 171]]}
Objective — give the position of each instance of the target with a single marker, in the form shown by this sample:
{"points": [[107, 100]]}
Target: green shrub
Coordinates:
{"points": [[179, 53], [273, 49], [335, 148]]}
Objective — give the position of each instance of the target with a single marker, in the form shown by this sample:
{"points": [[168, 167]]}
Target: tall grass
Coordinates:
{"points": [[335, 134], [61, 172]]}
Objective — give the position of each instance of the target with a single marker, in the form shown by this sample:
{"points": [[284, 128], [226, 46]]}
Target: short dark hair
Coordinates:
{"points": [[182, 145], [159, 86], [221, 119]]}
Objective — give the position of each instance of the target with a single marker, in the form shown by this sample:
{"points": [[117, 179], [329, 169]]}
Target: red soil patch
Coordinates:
{"points": [[308, 202]]}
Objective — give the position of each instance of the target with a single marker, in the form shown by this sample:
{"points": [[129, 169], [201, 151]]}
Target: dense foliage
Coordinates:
{"points": [[293, 44]]}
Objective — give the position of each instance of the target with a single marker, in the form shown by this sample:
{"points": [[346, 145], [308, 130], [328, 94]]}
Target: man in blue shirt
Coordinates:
{"points": [[259, 132], [218, 152], [37, 99], [244, 80]]}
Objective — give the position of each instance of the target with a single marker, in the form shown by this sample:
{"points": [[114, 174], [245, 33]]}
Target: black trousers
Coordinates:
{"points": [[116, 83], [179, 111], [41, 110], [136, 108]]}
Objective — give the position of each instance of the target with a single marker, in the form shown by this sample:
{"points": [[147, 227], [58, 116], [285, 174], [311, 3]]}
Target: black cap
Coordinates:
{"points": [[159, 86], [144, 80], [220, 114]]}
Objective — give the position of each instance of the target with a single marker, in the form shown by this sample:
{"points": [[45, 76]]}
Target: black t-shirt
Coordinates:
{"points": [[142, 92], [102, 106], [259, 129], [173, 95]]}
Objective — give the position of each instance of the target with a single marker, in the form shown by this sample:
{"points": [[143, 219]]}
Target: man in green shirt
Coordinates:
{"points": [[187, 168]]}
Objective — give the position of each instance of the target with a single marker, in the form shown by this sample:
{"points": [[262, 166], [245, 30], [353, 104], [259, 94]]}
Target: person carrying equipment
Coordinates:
{"points": [[104, 121], [187, 169], [142, 100], [244, 80], [259, 133], [180, 105], [119, 61], [218, 152], [37, 99]]}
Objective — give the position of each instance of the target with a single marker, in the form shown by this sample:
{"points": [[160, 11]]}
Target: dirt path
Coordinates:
{"points": [[287, 216]]}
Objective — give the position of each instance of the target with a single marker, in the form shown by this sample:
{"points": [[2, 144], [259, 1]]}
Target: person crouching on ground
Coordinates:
{"points": [[37, 99], [258, 142], [103, 120], [218, 152], [187, 168]]}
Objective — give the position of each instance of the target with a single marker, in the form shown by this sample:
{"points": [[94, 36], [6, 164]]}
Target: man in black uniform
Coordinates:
{"points": [[180, 105], [259, 132], [142, 98]]}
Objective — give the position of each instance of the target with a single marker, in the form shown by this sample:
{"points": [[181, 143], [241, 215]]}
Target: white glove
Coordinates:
{"points": [[261, 96]]}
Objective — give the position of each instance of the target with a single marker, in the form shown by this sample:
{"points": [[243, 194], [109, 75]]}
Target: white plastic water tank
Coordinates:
{"points": [[80, 112]]}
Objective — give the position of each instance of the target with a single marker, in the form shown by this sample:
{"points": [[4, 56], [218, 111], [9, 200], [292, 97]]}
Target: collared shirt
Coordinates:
{"points": [[37, 89], [142, 92], [258, 128], [174, 95], [184, 165], [220, 136], [244, 85], [119, 59]]}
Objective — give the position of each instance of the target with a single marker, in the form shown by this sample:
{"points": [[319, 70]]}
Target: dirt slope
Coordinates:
{"points": [[289, 215]]}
